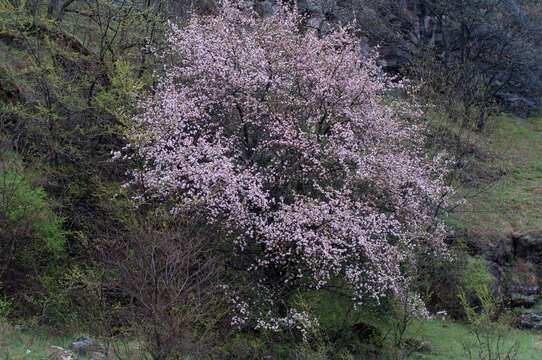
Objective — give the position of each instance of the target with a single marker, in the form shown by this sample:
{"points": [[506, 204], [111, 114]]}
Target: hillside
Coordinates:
{"points": [[505, 198], [241, 180]]}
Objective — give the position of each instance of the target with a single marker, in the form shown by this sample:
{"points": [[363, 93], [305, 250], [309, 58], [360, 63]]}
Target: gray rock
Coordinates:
{"points": [[500, 253], [265, 7], [497, 272], [524, 289], [62, 353], [528, 247], [531, 320], [497, 257], [85, 345], [521, 300]]}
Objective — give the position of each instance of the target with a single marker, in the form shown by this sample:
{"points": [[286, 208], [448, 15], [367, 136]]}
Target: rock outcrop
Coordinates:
{"points": [[531, 320], [528, 247], [405, 28]]}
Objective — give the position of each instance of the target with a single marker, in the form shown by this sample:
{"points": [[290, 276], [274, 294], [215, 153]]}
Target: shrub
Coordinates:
{"points": [[491, 329], [32, 240], [163, 269], [440, 279], [280, 139]]}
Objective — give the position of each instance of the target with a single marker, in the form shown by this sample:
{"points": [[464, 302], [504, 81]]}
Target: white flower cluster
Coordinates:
{"points": [[241, 312], [416, 306], [295, 320]]}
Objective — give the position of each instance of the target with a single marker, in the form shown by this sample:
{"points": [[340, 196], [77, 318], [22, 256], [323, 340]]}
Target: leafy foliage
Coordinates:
{"points": [[32, 238], [491, 337]]}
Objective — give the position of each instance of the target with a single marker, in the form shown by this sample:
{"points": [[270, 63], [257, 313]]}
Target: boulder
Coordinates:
{"points": [[265, 7], [497, 272], [60, 353], [85, 345], [528, 247], [500, 253]]}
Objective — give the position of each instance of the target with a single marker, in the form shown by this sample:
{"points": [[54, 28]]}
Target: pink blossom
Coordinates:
{"points": [[282, 138]]}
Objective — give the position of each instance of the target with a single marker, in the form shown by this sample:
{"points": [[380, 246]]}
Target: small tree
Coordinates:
{"points": [[491, 329], [282, 140], [164, 268]]}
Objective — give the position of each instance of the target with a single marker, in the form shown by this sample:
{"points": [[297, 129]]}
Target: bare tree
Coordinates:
{"points": [[166, 270]]}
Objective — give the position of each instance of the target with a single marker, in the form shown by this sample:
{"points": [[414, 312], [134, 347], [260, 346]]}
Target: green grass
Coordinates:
{"points": [[448, 340], [15, 343], [497, 206]]}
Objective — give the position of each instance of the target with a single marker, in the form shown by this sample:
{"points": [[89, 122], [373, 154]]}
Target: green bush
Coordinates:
{"points": [[26, 204], [32, 239], [492, 334], [443, 277], [475, 276]]}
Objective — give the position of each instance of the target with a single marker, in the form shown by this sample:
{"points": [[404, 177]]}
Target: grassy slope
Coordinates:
{"points": [[449, 338], [513, 202], [496, 207]]}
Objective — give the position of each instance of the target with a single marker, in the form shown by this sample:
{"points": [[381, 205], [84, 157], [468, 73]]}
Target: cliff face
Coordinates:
{"points": [[497, 39], [396, 26]]}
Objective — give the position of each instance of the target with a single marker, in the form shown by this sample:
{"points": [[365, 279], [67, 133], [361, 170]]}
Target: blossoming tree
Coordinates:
{"points": [[283, 140]]}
